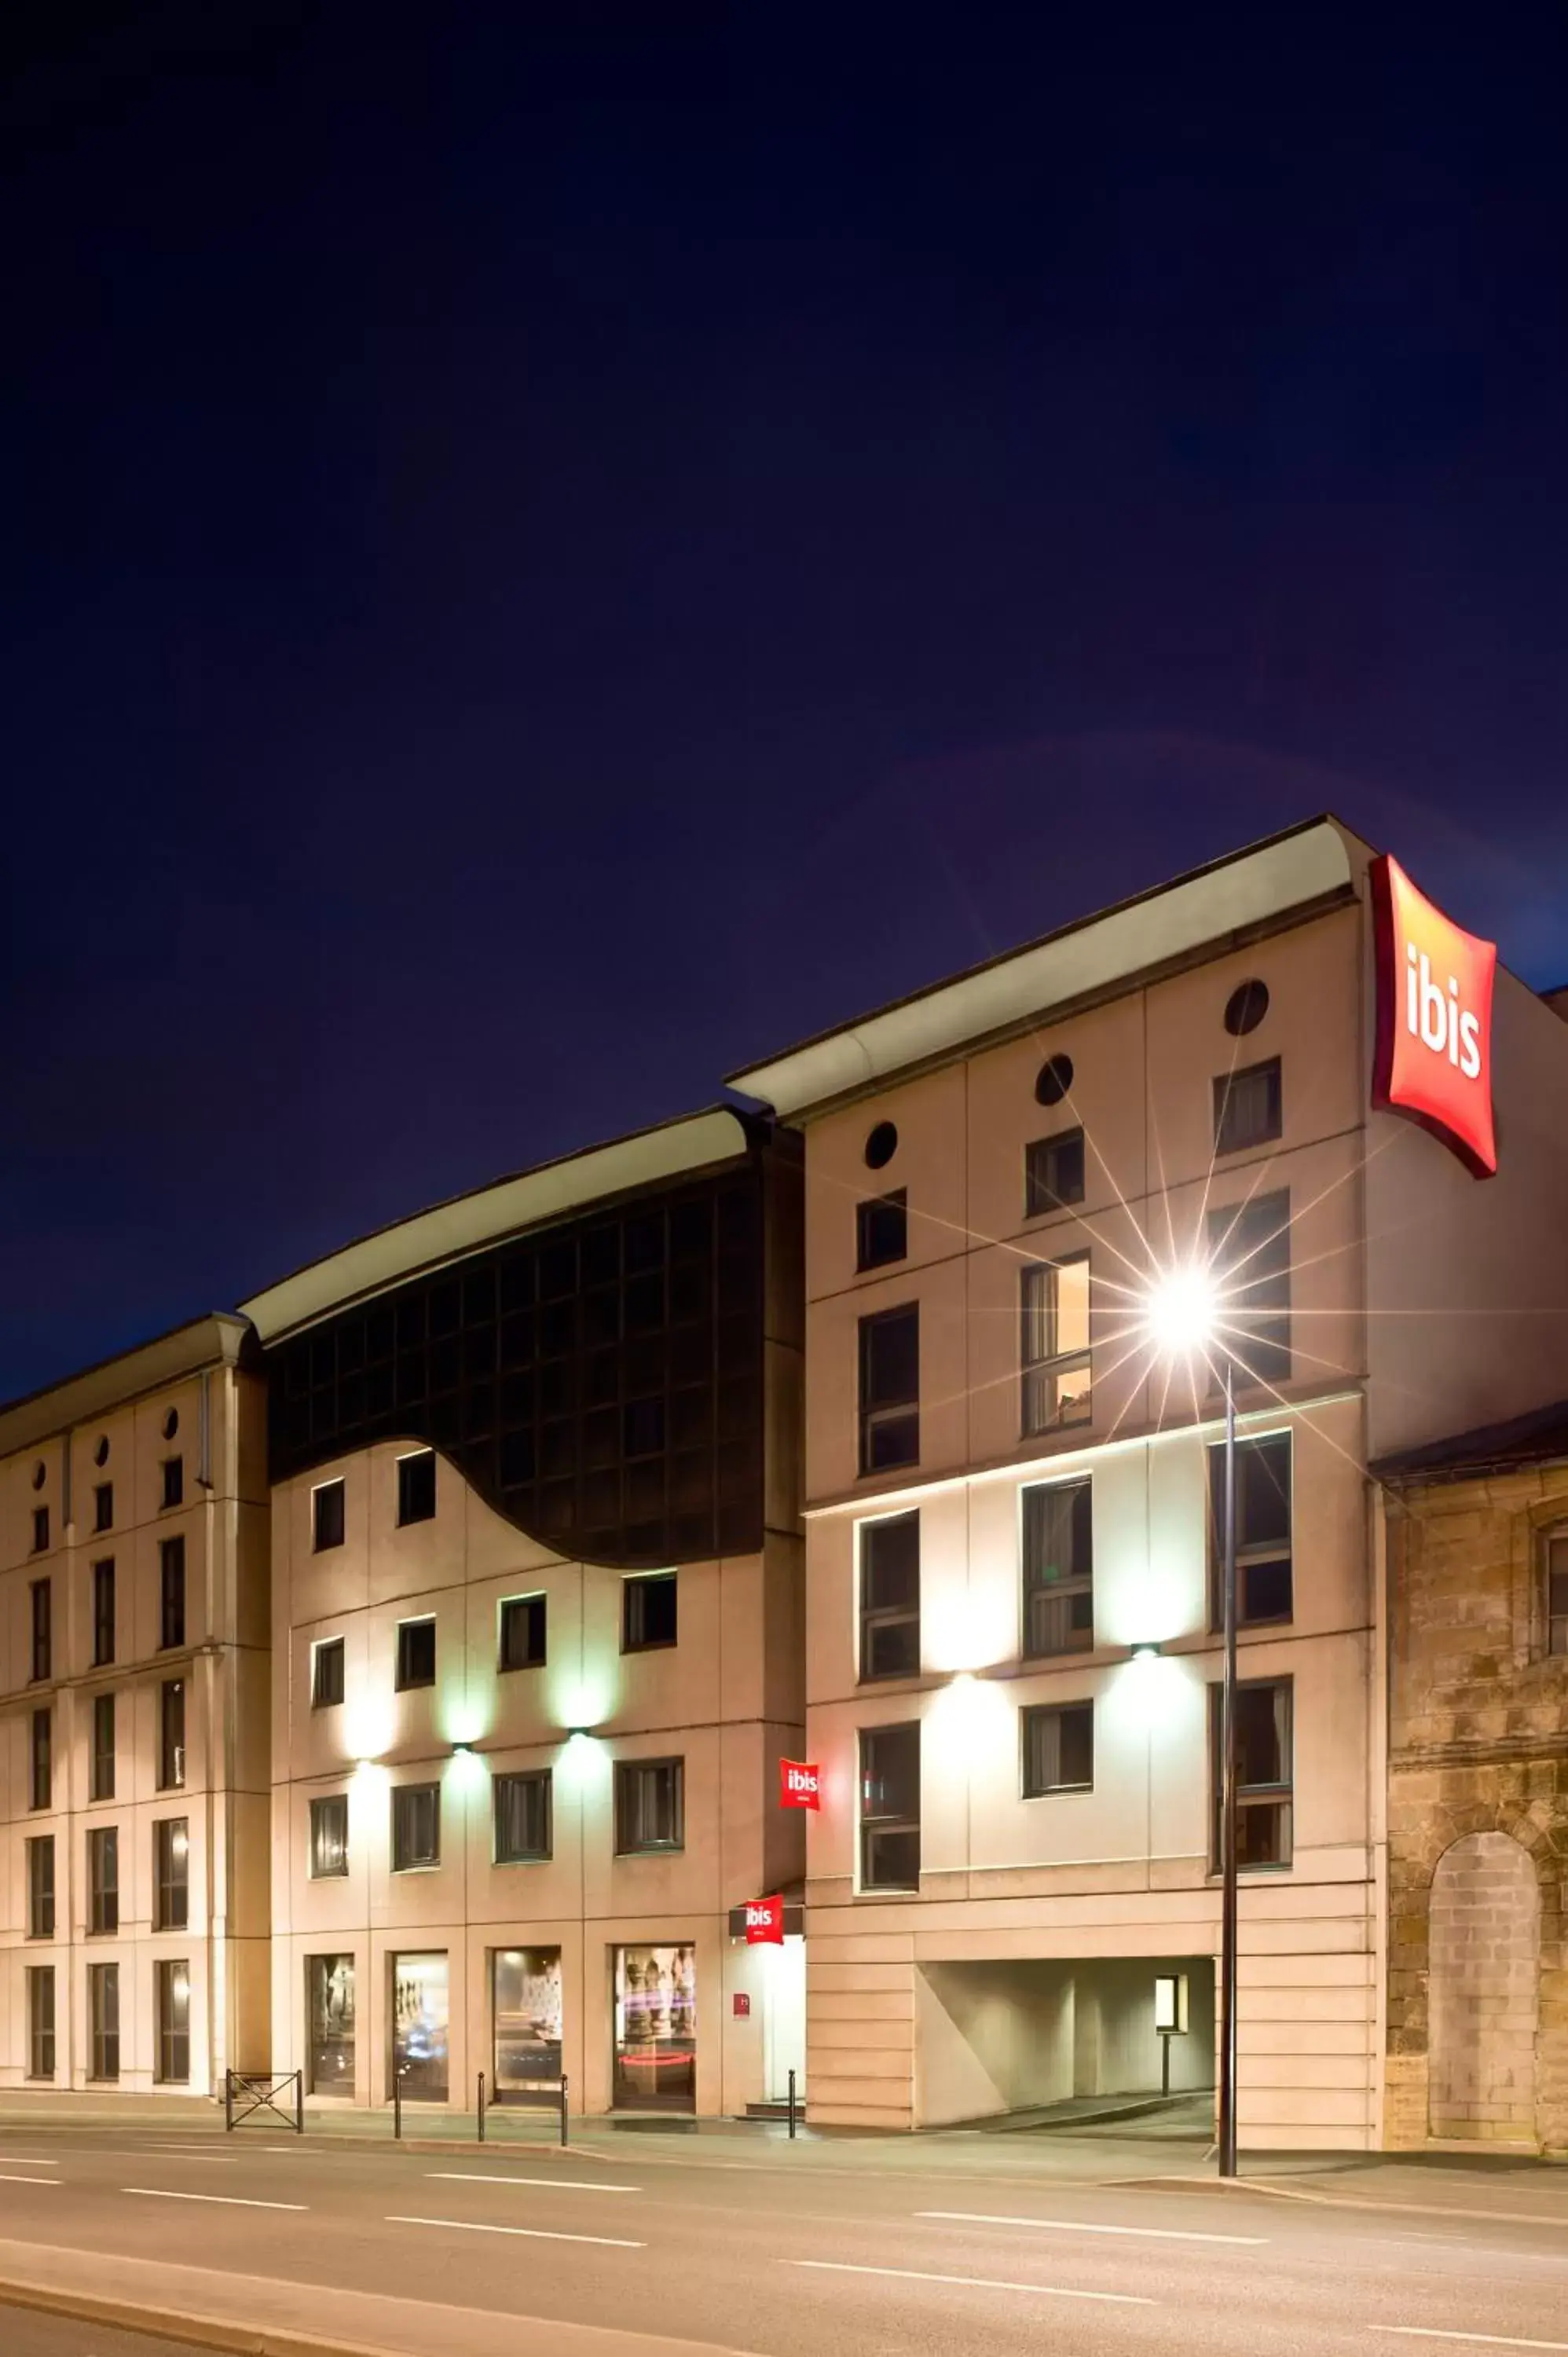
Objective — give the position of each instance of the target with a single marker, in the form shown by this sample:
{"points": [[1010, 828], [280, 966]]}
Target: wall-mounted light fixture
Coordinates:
{"points": [[1147, 1652]]}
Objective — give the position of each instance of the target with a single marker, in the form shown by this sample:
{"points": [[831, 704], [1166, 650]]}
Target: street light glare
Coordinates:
{"points": [[1183, 1311]]}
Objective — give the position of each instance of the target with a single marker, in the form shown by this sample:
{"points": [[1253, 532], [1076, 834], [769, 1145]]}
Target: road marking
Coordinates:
{"points": [[1487, 2340], [973, 2283], [530, 2233], [563, 2184], [28, 2160], [30, 2180], [1081, 2226], [228, 2201]]}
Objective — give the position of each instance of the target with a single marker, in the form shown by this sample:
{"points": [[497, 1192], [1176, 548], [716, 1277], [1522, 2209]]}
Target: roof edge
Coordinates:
{"points": [[219, 1339]]}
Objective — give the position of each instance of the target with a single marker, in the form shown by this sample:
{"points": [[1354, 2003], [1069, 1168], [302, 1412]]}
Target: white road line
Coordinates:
{"points": [[228, 2201], [563, 2184], [1081, 2226], [29, 2180], [530, 2233], [28, 2160], [974, 2283], [1485, 2340]]}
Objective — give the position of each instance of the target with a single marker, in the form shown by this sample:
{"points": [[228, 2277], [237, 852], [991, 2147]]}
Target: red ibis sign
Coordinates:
{"points": [[765, 1921], [800, 1784], [1434, 1061]]}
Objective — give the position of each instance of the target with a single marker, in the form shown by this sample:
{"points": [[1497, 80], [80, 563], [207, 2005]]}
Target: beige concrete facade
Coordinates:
{"points": [[135, 1636]]}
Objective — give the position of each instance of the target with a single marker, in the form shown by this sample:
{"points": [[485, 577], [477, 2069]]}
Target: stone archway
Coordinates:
{"points": [[1484, 1991]]}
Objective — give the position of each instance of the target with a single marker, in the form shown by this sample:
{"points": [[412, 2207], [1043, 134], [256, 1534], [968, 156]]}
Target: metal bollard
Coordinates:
{"points": [[564, 2111], [299, 2103], [228, 2102], [481, 2107], [792, 2107], [398, 2070]]}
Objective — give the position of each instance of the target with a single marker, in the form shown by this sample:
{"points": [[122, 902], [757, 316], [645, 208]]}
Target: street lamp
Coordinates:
{"points": [[1183, 1316]]}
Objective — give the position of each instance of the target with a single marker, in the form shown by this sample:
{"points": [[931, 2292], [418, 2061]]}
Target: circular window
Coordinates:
{"points": [[100, 1454], [1246, 1007], [40, 1474], [881, 1146], [1056, 1079], [171, 1423]]}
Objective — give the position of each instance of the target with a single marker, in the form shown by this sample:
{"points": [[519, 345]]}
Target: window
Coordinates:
{"points": [[42, 1779], [104, 1613], [1246, 1007], [173, 1482], [522, 1632], [890, 1808], [417, 1486], [1053, 1080], [1053, 1302], [1557, 1592], [171, 1735], [890, 1388], [40, 1530], [171, 1874], [41, 2021], [648, 1612], [42, 1594], [327, 1673], [1053, 1173], [1263, 1772], [327, 1523], [1249, 1107], [523, 1817], [103, 1878], [329, 1837], [41, 1888], [173, 2023], [891, 1598], [416, 1653], [416, 1826], [881, 1146], [1262, 1531], [1248, 1246], [1058, 1568], [103, 1999], [103, 1506], [172, 1594], [650, 1805], [1058, 1749], [882, 1230], [100, 1781]]}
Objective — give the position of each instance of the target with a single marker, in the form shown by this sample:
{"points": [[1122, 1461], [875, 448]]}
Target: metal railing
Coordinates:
{"points": [[246, 2092]]}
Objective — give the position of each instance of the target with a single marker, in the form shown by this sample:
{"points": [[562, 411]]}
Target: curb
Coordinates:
{"points": [[1237, 2186], [180, 2324]]}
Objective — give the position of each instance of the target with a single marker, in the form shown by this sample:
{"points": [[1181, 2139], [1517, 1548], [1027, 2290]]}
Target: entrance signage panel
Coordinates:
{"points": [[765, 1921], [1433, 1060], [800, 1784]]}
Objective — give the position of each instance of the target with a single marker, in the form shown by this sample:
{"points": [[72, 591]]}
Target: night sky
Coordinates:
{"points": [[550, 552]]}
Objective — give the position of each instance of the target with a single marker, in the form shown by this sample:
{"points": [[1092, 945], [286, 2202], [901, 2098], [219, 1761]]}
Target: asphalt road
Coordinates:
{"points": [[27, 2335], [784, 2253]]}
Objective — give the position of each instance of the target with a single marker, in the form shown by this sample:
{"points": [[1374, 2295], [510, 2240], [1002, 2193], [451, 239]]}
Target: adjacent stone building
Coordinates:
{"points": [[1476, 1569]]}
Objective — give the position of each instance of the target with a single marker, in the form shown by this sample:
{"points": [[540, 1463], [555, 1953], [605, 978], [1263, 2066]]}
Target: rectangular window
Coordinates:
{"points": [[103, 1506], [103, 1999], [41, 1888], [522, 1813], [882, 1230], [100, 1780], [42, 1596], [171, 1874], [648, 1616], [1058, 1749], [1557, 1592], [1058, 1568], [1249, 1107], [1249, 1247], [173, 2023], [171, 1560], [890, 1388], [326, 1517], [104, 1879], [40, 1530], [41, 2021], [1053, 1344], [327, 1673], [890, 1808], [416, 1826], [103, 1613], [329, 1837], [330, 1983], [42, 1777], [1263, 1748], [174, 1481], [1262, 1531], [650, 1805], [416, 1653], [522, 1630], [891, 1598], [1053, 1173], [417, 1486], [171, 1735]]}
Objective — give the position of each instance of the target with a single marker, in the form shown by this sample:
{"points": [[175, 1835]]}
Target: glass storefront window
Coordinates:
{"points": [[419, 2015], [656, 2029], [332, 1998], [525, 1993]]}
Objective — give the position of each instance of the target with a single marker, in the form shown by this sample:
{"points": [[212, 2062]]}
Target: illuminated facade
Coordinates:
{"points": [[1012, 1608]]}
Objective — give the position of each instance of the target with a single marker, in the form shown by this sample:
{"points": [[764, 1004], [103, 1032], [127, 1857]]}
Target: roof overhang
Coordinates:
{"points": [[217, 1341]]}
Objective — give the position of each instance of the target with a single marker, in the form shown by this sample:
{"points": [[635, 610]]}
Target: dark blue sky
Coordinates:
{"points": [[550, 552]]}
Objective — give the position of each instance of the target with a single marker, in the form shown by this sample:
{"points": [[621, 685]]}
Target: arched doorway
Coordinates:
{"points": [[1484, 1991]]}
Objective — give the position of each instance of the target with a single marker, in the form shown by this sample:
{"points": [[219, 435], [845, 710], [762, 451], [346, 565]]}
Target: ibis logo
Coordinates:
{"points": [[765, 1921], [1435, 1020], [800, 1784]]}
